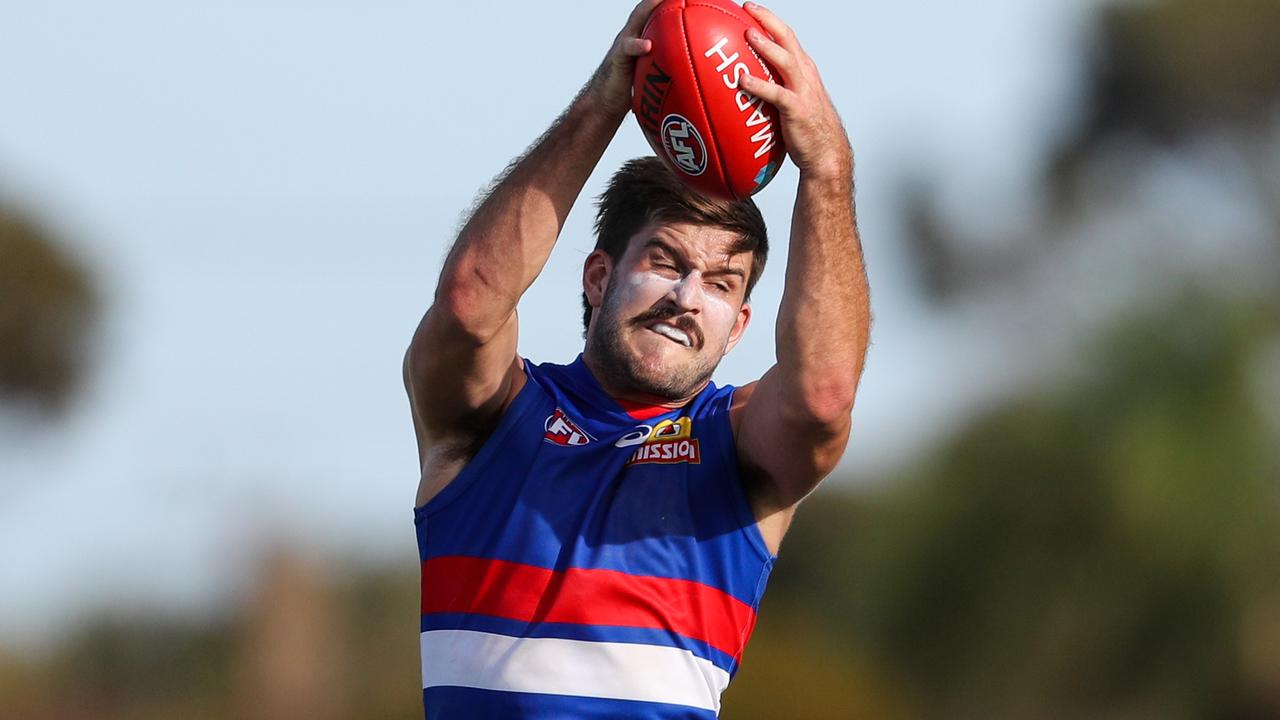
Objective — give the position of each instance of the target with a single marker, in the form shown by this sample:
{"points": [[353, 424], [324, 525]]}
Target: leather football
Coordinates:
{"points": [[720, 140]]}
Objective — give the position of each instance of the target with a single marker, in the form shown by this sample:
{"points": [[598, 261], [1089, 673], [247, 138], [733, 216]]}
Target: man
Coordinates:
{"points": [[595, 537]]}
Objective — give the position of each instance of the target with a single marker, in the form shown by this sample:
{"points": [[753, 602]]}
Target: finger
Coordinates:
{"points": [[783, 33], [777, 57], [771, 92], [639, 16], [635, 47]]}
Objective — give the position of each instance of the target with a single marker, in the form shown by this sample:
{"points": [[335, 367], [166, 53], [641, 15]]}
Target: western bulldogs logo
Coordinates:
{"points": [[668, 442], [684, 145], [563, 431]]}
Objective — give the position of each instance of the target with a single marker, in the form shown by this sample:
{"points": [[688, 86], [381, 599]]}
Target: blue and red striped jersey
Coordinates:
{"points": [[591, 561]]}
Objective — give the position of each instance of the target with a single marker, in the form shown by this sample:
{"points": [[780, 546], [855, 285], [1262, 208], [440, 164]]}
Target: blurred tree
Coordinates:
{"points": [[1106, 547], [1170, 72], [140, 668], [1162, 79], [1092, 552], [47, 308], [291, 665], [308, 642]]}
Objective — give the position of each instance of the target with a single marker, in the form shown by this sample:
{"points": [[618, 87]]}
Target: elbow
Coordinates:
{"points": [[459, 323], [826, 402], [444, 326], [456, 313], [470, 310]]}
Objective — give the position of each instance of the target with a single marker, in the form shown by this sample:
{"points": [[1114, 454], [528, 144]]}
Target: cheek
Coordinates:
{"points": [[721, 315]]}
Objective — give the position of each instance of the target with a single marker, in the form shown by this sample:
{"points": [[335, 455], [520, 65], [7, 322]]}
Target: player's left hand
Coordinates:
{"points": [[815, 136]]}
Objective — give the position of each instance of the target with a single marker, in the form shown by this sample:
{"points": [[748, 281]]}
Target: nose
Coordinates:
{"points": [[687, 293]]}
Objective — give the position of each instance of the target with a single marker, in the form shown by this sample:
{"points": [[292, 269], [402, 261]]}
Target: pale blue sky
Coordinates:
{"points": [[266, 189]]}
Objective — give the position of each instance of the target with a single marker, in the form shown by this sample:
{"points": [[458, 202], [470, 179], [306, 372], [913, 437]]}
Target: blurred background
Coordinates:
{"points": [[219, 224]]}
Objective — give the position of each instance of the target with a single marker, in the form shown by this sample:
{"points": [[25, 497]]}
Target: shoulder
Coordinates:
{"points": [[445, 455]]}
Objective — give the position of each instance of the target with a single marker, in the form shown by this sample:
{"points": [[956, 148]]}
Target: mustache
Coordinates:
{"points": [[674, 318]]}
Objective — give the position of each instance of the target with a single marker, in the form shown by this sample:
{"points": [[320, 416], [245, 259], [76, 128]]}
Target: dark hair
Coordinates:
{"points": [[644, 190]]}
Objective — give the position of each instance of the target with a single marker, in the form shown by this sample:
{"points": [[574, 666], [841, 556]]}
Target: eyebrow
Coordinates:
{"points": [[661, 245], [656, 243], [728, 271]]}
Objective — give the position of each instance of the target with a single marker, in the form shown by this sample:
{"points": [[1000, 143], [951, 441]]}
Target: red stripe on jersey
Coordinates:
{"points": [[517, 591], [641, 411]]}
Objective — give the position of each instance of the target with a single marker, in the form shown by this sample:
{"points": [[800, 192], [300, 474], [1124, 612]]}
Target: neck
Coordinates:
{"points": [[630, 396]]}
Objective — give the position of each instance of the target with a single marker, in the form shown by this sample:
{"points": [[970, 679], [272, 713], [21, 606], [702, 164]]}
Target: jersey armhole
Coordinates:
{"points": [[510, 418], [746, 518]]}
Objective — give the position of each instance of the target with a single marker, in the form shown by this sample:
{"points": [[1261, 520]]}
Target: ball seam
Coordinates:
{"points": [[702, 104]]}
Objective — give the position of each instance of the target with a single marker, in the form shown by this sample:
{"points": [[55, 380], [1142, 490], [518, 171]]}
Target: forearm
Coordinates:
{"points": [[461, 368], [824, 319], [506, 242]]}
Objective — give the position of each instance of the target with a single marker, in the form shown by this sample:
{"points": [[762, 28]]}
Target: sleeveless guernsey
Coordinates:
{"points": [[590, 562]]}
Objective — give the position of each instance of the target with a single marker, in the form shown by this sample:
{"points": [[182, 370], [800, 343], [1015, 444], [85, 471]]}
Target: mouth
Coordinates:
{"points": [[672, 333]]}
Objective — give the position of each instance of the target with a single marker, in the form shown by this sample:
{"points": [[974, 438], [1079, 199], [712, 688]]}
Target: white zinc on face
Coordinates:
{"points": [[688, 290]]}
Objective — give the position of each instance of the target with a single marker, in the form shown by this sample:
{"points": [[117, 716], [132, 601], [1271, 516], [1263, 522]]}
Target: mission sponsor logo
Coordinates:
{"points": [[667, 443], [563, 431], [667, 452]]}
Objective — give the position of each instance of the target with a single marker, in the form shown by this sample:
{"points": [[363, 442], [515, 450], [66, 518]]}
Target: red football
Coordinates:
{"points": [[718, 139]]}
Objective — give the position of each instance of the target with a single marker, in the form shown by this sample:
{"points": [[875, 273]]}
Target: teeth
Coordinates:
{"points": [[673, 333]]}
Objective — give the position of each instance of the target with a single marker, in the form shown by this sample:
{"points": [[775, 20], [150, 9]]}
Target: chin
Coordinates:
{"points": [[667, 370], [643, 361]]}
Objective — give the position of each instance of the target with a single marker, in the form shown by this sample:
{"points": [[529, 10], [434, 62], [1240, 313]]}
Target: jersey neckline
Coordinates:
{"points": [[581, 376]]}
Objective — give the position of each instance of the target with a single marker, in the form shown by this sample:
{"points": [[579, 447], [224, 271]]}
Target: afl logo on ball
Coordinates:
{"points": [[684, 145]]}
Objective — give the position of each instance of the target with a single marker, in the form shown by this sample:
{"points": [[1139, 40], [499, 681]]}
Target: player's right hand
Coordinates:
{"points": [[610, 87]]}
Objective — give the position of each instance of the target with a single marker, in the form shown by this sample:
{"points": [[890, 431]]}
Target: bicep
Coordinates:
{"points": [[457, 382], [786, 454]]}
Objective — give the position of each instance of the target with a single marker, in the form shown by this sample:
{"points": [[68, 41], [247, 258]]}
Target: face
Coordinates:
{"points": [[667, 313]]}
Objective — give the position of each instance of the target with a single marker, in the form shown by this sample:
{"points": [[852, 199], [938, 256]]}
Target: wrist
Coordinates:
{"points": [[594, 105], [606, 94], [835, 172]]}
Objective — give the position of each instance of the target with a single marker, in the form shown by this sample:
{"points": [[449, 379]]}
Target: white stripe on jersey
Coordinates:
{"points": [[620, 671]]}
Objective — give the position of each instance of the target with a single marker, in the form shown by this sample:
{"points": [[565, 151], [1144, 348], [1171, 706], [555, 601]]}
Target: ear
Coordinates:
{"points": [[739, 326], [596, 270]]}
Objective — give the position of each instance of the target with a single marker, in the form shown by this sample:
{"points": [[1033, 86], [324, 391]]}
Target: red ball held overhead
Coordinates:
{"points": [[719, 139]]}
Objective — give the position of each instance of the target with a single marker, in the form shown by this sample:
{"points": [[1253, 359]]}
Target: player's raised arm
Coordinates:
{"points": [[461, 367], [793, 425]]}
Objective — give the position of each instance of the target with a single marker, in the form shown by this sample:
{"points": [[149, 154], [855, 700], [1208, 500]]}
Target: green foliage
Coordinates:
{"points": [[1180, 66], [1087, 552]]}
